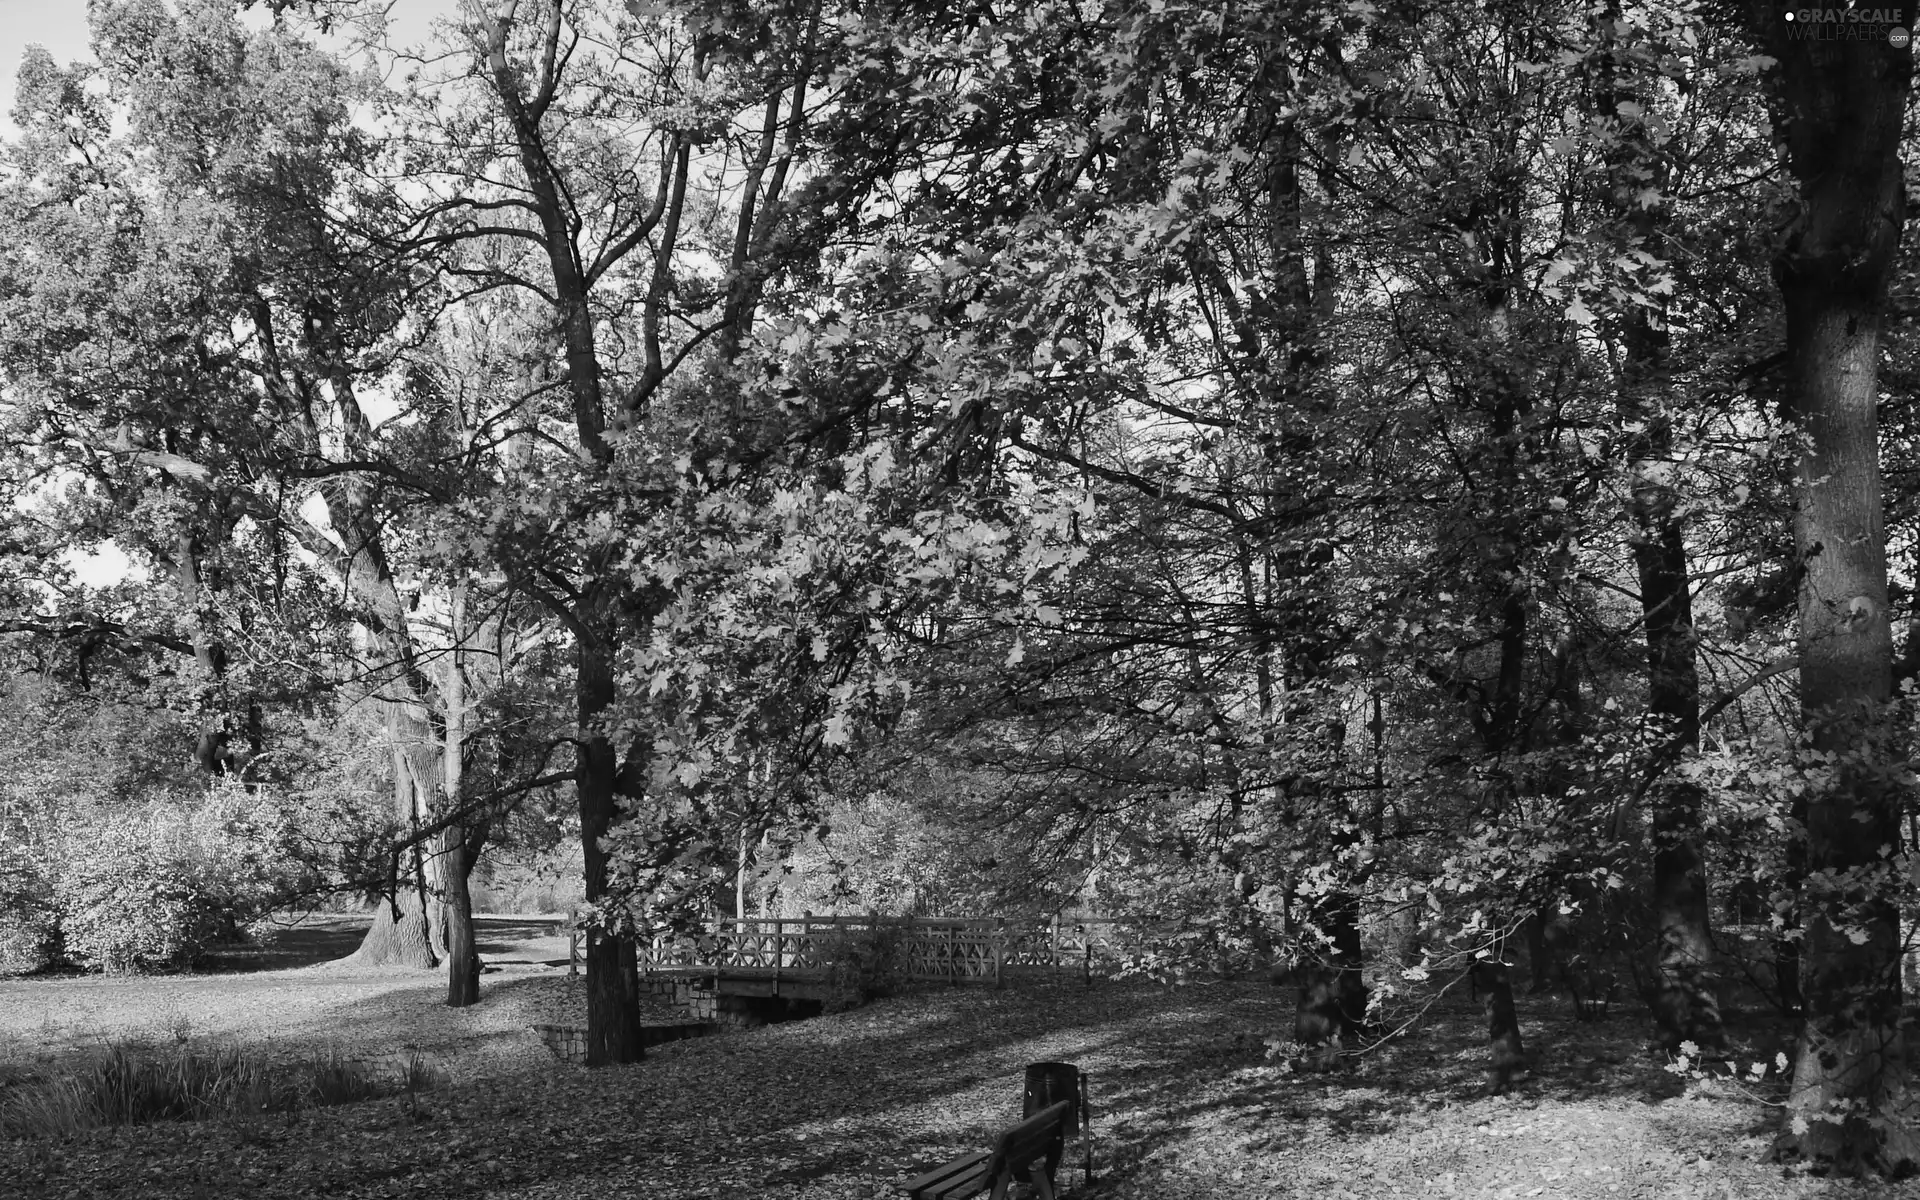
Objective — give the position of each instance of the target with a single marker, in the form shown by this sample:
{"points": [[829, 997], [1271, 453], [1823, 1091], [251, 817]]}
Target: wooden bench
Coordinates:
{"points": [[1018, 1156]]}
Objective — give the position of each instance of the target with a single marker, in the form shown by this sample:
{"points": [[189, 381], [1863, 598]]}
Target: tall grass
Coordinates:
{"points": [[135, 1083]]}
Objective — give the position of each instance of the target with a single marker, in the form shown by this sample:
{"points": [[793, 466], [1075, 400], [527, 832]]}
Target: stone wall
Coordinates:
{"points": [[569, 1042]]}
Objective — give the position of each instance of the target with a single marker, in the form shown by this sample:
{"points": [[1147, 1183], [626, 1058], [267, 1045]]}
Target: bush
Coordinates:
{"points": [[123, 906], [29, 922], [865, 964], [161, 884]]}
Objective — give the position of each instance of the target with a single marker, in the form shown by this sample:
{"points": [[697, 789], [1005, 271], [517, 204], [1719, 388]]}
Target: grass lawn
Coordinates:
{"points": [[1186, 1104]]}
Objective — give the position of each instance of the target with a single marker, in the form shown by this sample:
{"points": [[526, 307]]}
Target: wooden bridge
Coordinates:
{"points": [[807, 957]]}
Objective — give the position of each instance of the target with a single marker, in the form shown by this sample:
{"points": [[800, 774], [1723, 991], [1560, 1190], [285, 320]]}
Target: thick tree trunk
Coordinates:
{"points": [[613, 1018], [1840, 112], [397, 937], [1851, 1058], [418, 886]]}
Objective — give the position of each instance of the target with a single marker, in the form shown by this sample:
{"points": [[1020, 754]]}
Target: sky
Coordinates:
{"points": [[59, 25]]}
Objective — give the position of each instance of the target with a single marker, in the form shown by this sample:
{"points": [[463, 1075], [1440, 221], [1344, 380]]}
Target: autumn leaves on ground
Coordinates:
{"points": [[1190, 1098]]}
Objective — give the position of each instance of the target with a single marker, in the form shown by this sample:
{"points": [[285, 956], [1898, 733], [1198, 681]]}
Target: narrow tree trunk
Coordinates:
{"points": [[1840, 109], [1548, 934], [460, 843], [1333, 994], [1493, 985], [1786, 952], [1684, 1001]]}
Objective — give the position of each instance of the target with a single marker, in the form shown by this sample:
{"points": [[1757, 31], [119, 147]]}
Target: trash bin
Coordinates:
{"points": [[1049, 1083]]}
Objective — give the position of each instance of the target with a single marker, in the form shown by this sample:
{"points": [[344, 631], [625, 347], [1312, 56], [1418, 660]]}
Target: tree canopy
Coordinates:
{"points": [[1352, 486]]}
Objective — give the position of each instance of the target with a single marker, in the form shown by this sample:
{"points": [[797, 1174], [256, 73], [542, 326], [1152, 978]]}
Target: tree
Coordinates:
{"points": [[1839, 109]]}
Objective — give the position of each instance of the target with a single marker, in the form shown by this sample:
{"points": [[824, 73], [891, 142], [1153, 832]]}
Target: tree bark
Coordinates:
{"points": [[463, 957], [397, 937], [613, 1017], [1839, 108], [1492, 983], [459, 844]]}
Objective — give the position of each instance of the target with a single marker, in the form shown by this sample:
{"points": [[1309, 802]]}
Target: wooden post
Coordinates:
{"points": [[1086, 963], [779, 949], [999, 946], [740, 879], [1053, 935]]}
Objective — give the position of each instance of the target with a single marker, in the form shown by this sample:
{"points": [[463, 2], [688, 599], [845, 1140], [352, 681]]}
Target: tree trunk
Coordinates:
{"points": [[418, 887], [1851, 1057], [463, 958], [397, 937], [459, 846], [1786, 951], [1840, 107], [1333, 994], [1684, 1001], [1490, 982], [613, 1018]]}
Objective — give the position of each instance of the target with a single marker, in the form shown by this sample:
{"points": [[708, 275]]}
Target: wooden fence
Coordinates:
{"points": [[944, 949]]}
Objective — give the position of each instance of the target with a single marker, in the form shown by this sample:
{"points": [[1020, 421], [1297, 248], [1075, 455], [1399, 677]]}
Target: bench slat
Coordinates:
{"points": [[970, 1184], [1029, 1139], [943, 1177]]}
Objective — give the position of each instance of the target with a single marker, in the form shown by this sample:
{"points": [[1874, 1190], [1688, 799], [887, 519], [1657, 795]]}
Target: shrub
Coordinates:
{"points": [[123, 905], [865, 964], [29, 922], [132, 1083], [159, 885]]}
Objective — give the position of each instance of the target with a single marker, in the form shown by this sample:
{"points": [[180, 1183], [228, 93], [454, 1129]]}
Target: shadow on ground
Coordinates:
{"points": [[316, 938]]}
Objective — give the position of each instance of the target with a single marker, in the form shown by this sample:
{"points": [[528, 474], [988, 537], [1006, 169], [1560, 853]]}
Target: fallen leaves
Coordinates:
{"points": [[844, 1107]]}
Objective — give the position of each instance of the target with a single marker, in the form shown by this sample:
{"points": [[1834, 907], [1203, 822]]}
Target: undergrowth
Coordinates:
{"points": [[137, 1082]]}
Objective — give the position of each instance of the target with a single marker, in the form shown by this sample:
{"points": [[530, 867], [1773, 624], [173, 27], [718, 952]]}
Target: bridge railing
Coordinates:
{"points": [[947, 949]]}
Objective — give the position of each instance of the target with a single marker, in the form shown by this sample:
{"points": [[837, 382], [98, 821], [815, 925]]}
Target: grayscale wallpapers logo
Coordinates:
{"points": [[1847, 24]]}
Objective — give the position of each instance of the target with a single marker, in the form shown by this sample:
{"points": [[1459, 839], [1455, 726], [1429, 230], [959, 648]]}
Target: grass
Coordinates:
{"points": [[139, 1082]]}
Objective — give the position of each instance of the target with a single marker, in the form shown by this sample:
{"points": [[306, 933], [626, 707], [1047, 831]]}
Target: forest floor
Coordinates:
{"points": [[844, 1107]]}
